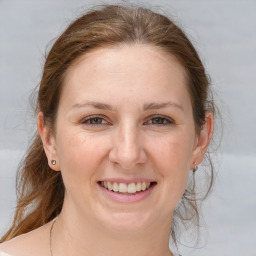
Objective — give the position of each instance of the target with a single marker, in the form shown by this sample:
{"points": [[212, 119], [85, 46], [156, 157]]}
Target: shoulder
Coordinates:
{"points": [[3, 253], [33, 243]]}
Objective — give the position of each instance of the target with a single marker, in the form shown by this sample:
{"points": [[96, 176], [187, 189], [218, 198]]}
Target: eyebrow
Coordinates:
{"points": [[93, 104], [148, 106], [156, 105]]}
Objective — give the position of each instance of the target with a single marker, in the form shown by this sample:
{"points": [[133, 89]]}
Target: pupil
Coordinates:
{"points": [[96, 120], [158, 120]]}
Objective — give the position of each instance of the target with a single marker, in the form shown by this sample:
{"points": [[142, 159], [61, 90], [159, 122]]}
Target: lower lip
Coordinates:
{"points": [[126, 198]]}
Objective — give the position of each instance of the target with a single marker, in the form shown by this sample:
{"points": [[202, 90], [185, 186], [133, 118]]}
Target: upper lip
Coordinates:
{"points": [[127, 181]]}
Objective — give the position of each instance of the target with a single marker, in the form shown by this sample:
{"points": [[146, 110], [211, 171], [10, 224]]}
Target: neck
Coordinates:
{"points": [[76, 236]]}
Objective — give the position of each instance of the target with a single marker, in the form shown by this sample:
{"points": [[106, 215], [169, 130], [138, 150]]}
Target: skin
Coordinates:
{"points": [[126, 142]]}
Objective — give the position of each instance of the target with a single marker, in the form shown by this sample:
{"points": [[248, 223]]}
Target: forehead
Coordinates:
{"points": [[124, 55], [126, 68]]}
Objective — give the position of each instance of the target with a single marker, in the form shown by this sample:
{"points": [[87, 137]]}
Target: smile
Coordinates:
{"points": [[124, 192], [130, 188]]}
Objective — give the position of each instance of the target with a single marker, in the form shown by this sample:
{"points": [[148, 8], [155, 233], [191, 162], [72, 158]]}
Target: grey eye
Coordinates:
{"points": [[95, 120], [158, 120]]}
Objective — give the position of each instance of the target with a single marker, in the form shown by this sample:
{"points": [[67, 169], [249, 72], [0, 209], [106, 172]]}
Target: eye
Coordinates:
{"points": [[160, 120], [94, 120]]}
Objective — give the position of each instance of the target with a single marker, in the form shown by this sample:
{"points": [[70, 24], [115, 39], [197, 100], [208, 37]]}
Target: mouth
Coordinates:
{"points": [[122, 188]]}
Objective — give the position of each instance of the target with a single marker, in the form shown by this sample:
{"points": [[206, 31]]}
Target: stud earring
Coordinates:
{"points": [[53, 162], [195, 168]]}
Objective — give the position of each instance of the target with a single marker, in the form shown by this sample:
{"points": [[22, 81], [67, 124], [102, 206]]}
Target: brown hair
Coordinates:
{"points": [[41, 190]]}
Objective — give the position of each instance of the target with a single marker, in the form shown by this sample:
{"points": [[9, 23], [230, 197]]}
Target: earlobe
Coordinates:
{"points": [[204, 139], [49, 143]]}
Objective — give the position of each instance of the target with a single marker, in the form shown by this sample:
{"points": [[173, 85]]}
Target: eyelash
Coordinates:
{"points": [[166, 121], [90, 118]]}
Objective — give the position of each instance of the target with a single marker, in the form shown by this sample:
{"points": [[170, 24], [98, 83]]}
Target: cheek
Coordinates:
{"points": [[172, 153], [171, 158], [80, 156]]}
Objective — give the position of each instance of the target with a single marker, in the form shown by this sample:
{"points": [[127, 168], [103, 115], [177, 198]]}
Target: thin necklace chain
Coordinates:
{"points": [[51, 236]]}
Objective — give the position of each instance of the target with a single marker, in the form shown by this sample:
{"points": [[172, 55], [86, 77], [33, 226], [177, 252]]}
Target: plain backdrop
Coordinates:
{"points": [[224, 34]]}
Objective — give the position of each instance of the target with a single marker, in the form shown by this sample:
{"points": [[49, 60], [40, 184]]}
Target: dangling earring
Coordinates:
{"points": [[53, 162], [195, 168]]}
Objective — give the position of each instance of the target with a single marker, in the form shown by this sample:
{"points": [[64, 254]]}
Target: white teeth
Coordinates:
{"points": [[123, 188], [109, 186], [138, 187], [115, 187], [143, 186], [130, 188]]}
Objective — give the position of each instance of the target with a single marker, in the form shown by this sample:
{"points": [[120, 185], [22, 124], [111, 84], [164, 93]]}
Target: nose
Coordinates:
{"points": [[127, 150]]}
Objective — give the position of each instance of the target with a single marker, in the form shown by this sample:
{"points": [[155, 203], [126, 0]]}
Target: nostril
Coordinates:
{"points": [[127, 157]]}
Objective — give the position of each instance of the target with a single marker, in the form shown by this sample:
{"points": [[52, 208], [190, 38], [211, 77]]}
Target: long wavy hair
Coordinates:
{"points": [[40, 191]]}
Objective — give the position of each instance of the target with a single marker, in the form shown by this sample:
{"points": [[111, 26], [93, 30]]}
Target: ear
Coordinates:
{"points": [[49, 142], [203, 140]]}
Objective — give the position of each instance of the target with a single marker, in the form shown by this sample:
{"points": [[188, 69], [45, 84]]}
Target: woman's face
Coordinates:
{"points": [[125, 121]]}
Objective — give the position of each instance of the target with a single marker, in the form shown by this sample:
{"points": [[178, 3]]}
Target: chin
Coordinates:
{"points": [[128, 222]]}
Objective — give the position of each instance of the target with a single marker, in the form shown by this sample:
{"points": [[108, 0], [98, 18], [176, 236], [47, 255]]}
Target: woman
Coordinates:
{"points": [[124, 115]]}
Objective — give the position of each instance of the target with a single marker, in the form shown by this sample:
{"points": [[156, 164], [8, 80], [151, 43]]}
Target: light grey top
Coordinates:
{"points": [[4, 254]]}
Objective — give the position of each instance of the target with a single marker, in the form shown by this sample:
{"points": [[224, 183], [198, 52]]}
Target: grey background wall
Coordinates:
{"points": [[224, 34]]}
